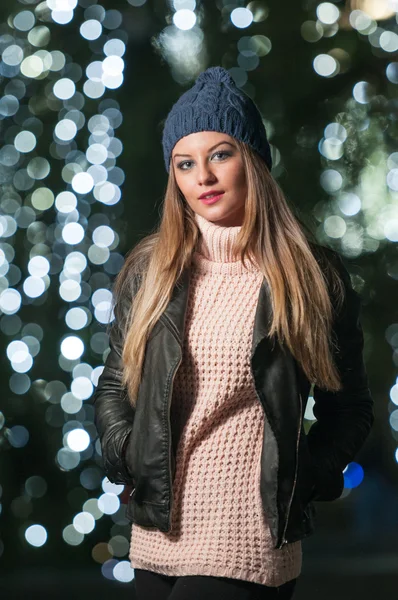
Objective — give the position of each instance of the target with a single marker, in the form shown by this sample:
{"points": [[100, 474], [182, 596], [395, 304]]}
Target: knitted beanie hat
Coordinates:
{"points": [[215, 103]]}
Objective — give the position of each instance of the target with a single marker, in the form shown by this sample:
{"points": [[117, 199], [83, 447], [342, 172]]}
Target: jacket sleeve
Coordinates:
{"points": [[344, 418], [113, 414]]}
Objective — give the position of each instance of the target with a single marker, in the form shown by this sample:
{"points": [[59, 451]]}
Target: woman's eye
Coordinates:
{"points": [[220, 153], [180, 166]]}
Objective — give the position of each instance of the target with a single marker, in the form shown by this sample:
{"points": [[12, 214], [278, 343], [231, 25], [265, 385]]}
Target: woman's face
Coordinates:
{"points": [[206, 161]]}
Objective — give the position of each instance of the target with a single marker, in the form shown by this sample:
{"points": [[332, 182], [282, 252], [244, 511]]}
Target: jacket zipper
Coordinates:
{"points": [[168, 412], [284, 540]]}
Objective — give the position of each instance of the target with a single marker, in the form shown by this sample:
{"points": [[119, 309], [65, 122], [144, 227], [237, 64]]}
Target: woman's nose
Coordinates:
{"points": [[205, 175]]}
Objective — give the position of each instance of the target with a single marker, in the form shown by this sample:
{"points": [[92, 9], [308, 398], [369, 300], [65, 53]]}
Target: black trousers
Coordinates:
{"points": [[154, 586]]}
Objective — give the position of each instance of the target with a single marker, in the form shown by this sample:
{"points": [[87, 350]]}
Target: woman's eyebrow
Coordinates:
{"points": [[210, 149]]}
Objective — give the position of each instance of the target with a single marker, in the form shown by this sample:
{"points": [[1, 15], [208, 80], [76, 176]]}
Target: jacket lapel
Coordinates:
{"points": [[174, 314]]}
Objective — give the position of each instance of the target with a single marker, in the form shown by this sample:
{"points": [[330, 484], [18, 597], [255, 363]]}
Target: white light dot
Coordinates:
{"points": [[107, 193], [108, 503], [361, 92], [392, 180], [389, 41], [94, 70], [91, 29], [101, 295], [336, 130], [71, 536], [97, 154], [17, 351], [65, 202], [349, 204], [123, 571], [103, 236], [70, 290], [96, 374], [76, 318], [391, 231], [68, 459], [99, 173], [115, 47], [103, 312], [70, 404], [62, 16], [32, 66], [58, 60], [335, 226], [9, 105], [241, 17], [24, 366], [38, 266], [98, 256], [72, 347], [113, 65], [78, 440], [75, 262], [25, 141], [324, 65], [82, 183], [10, 301], [64, 89], [12, 55], [36, 535], [359, 20], [327, 13], [394, 420], [24, 20], [72, 233], [111, 488], [331, 148], [331, 180], [93, 89], [112, 81], [66, 129], [184, 19], [82, 388], [84, 522], [392, 72], [33, 286], [394, 394]]}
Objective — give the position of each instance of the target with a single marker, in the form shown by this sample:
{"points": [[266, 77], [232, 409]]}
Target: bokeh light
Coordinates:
{"points": [[62, 218]]}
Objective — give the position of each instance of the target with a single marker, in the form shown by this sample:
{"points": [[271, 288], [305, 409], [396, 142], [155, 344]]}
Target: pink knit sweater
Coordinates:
{"points": [[219, 527]]}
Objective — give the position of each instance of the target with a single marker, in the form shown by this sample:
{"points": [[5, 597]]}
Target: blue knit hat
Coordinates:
{"points": [[215, 103]]}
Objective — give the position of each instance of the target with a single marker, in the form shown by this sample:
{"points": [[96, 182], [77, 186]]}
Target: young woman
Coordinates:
{"points": [[224, 319]]}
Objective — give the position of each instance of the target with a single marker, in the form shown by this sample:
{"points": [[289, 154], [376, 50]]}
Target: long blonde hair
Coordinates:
{"points": [[274, 236]]}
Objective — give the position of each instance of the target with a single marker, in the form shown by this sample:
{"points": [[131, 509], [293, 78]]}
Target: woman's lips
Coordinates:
{"points": [[212, 199]]}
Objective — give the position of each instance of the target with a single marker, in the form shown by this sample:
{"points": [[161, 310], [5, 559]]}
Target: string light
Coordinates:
{"points": [[71, 239]]}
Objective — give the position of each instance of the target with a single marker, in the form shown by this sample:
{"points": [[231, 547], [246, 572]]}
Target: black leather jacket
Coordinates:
{"points": [[138, 450]]}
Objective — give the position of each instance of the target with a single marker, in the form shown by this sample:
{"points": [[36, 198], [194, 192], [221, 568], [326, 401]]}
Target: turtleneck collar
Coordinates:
{"points": [[215, 246]]}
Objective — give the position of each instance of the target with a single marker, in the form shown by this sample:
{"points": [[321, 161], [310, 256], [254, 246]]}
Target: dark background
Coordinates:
{"points": [[354, 552]]}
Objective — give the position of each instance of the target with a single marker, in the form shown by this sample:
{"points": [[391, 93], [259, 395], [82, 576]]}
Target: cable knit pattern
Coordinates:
{"points": [[219, 527]]}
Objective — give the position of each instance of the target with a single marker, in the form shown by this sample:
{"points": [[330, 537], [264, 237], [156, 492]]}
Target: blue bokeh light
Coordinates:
{"points": [[353, 475]]}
